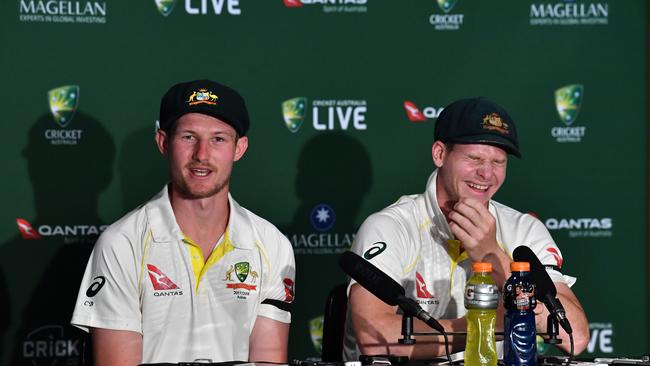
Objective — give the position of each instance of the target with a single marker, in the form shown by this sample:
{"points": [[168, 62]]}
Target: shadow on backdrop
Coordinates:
{"points": [[334, 173], [45, 263], [142, 169]]}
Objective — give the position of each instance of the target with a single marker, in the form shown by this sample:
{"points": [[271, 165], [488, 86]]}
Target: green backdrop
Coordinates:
{"points": [[353, 64]]}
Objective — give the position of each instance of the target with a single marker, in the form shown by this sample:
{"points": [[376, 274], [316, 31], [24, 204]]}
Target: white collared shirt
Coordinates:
{"points": [[145, 276], [411, 242]]}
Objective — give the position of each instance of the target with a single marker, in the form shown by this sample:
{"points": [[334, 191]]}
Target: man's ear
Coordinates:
{"points": [[161, 141], [438, 153], [241, 147]]}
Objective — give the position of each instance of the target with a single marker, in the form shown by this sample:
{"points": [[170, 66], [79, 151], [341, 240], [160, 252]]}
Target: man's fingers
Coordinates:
{"points": [[468, 218], [476, 212], [460, 233]]}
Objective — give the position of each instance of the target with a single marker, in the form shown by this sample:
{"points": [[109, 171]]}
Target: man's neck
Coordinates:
{"points": [[203, 220], [442, 198]]}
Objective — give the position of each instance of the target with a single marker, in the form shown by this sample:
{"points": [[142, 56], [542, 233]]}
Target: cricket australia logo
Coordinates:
{"points": [[568, 101], [316, 332], [243, 272], [293, 111], [165, 7], [64, 101], [446, 5], [446, 20]]}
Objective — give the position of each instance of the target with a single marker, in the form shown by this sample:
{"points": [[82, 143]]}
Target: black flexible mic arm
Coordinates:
{"points": [[545, 287]]}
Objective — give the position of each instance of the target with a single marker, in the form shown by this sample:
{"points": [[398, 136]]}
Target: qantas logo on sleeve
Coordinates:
{"points": [[26, 230], [421, 287], [556, 255], [288, 289], [161, 282]]}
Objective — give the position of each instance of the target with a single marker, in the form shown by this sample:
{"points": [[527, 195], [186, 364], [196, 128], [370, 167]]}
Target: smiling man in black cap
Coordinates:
{"points": [[191, 274], [427, 242]]}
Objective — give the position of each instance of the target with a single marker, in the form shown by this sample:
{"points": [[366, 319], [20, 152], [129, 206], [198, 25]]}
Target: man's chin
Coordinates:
{"points": [[199, 192], [483, 198]]}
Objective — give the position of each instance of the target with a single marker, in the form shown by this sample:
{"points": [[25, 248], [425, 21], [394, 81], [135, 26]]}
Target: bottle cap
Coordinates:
{"points": [[520, 267], [481, 267]]}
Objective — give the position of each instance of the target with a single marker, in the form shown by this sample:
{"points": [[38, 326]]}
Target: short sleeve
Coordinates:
{"points": [[383, 241], [279, 286], [543, 245], [109, 296]]}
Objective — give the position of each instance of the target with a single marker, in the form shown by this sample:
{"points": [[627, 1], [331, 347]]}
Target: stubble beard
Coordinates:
{"points": [[187, 192]]}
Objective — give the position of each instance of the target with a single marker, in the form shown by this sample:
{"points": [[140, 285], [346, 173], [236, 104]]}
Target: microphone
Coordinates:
{"points": [[545, 286], [384, 288]]}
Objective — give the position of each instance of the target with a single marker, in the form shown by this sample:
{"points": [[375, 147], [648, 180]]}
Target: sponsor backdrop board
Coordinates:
{"points": [[343, 96]]}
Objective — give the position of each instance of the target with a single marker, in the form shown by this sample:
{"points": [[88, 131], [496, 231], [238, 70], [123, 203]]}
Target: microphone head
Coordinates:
{"points": [[546, 290], [371, 278], [543, 282]]}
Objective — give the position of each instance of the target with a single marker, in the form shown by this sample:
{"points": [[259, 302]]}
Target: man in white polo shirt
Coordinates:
{"points": [[191, 274], [427, 242]]}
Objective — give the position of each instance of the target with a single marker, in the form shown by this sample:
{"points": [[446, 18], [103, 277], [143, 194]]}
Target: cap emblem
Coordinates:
{"points": [[493, 122], [202, 96]]}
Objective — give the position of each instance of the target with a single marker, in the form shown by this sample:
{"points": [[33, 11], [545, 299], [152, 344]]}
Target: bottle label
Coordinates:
{"points": [[481, 296], [519, 294], [524, 298]]}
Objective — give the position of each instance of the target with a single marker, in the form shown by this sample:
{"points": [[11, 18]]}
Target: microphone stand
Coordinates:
{"points": [[407, 330], [408, 333], [552, 330]]}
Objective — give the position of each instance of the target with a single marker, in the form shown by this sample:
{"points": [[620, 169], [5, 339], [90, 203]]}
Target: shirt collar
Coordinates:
{"points": [[164, 228], [433, 209]]}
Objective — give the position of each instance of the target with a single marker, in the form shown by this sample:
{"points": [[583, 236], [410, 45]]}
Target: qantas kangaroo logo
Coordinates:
{"points": [[26, 230], [159, 280], [413, 112], [556, 255], [292, 3], [421, 287]]}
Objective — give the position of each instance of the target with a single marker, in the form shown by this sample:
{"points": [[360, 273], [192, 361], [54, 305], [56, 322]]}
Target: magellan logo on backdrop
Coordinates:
{"points": [[63, 102], [568, 100], [200, 7], [48, 345], [414, 114], [569, 12], [326, 114], [62, 11], [28, 232], [446, 21], [600, 339], [322, 241], [332, 6], [582, 227]]}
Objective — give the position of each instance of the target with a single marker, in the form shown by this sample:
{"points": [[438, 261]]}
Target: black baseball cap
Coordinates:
{"points": [[206, 97], [477, 121]]}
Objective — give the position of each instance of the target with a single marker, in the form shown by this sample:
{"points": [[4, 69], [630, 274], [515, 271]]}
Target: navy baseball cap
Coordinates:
{"points": [[206, 97], [477, 121]]}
